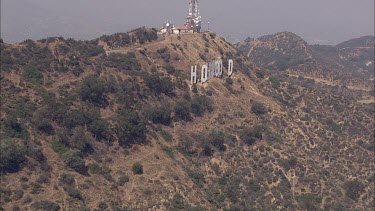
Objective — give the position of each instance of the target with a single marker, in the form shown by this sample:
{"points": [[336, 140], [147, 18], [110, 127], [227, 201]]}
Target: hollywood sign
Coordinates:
{"points": [[211, 70]]}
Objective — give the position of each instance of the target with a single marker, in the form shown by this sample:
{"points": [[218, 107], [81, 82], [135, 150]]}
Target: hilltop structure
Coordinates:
{"points": [[193, 22]]}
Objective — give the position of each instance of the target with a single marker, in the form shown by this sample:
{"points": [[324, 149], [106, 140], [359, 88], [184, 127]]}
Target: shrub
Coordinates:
{"points": [[43, 178], [207, 151], [32, 75], [44, 125], [164, 54], [182, 110], [96, 169], [167, 136], [212, 35], [274, 81], [130, 128], [5, 194], [99, 129], [93, 90], [160, 115], [45, 205], [289, 163], [72, 192], [162, 50], [229, 81], [217, 139], [251, 135], [354, 189], [197, 177], [14, 129], [102, 205], [12, 155], [168, 151], [209, 91], [170, 69], [6, 60], [137, 168], [27, 199], [258, 108], [66, 180], [116, 40], [202, 56], [333, 126], [145, 35], [80, 141], [309, 201], [18, 194], [36, 188], [159, 85], [201, 104], [123, 180], [178, 201], [254, 186], [122, 61], [59, 147], [73, 160]]}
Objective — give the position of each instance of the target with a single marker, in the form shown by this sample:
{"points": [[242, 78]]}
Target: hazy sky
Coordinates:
{"points": [[317, 21]]}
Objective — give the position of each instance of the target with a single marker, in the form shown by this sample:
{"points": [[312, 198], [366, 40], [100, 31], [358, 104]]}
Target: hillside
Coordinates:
{"points": [[350, 63], [111, 124]]}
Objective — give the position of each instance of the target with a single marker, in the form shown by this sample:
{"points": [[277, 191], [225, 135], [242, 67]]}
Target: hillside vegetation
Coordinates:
{"points": [[112, 124]]}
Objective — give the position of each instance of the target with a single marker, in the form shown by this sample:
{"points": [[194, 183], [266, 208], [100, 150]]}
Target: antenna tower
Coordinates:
{"points": [[193, 20]]}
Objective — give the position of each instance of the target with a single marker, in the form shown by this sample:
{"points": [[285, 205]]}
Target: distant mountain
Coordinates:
{"points": [[366, 41], [277, 51], [349, 61]]}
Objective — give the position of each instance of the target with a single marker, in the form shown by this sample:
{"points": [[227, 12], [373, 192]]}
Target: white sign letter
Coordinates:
{"points": [[211, 70], [230, 67], [204, 74], [193, 79], [218, 68]]}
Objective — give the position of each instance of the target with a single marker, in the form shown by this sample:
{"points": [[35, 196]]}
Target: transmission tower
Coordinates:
{"points": [[193, 20]]}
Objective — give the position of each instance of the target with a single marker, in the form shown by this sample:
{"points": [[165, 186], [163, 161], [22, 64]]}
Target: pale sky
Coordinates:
{"points": [[316, 21]]}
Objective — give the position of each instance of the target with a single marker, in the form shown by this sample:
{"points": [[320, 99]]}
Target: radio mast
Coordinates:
{"points": [[193, 20]]}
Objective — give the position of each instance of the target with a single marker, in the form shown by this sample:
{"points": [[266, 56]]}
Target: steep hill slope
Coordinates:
{"points": [[111, 124]]}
